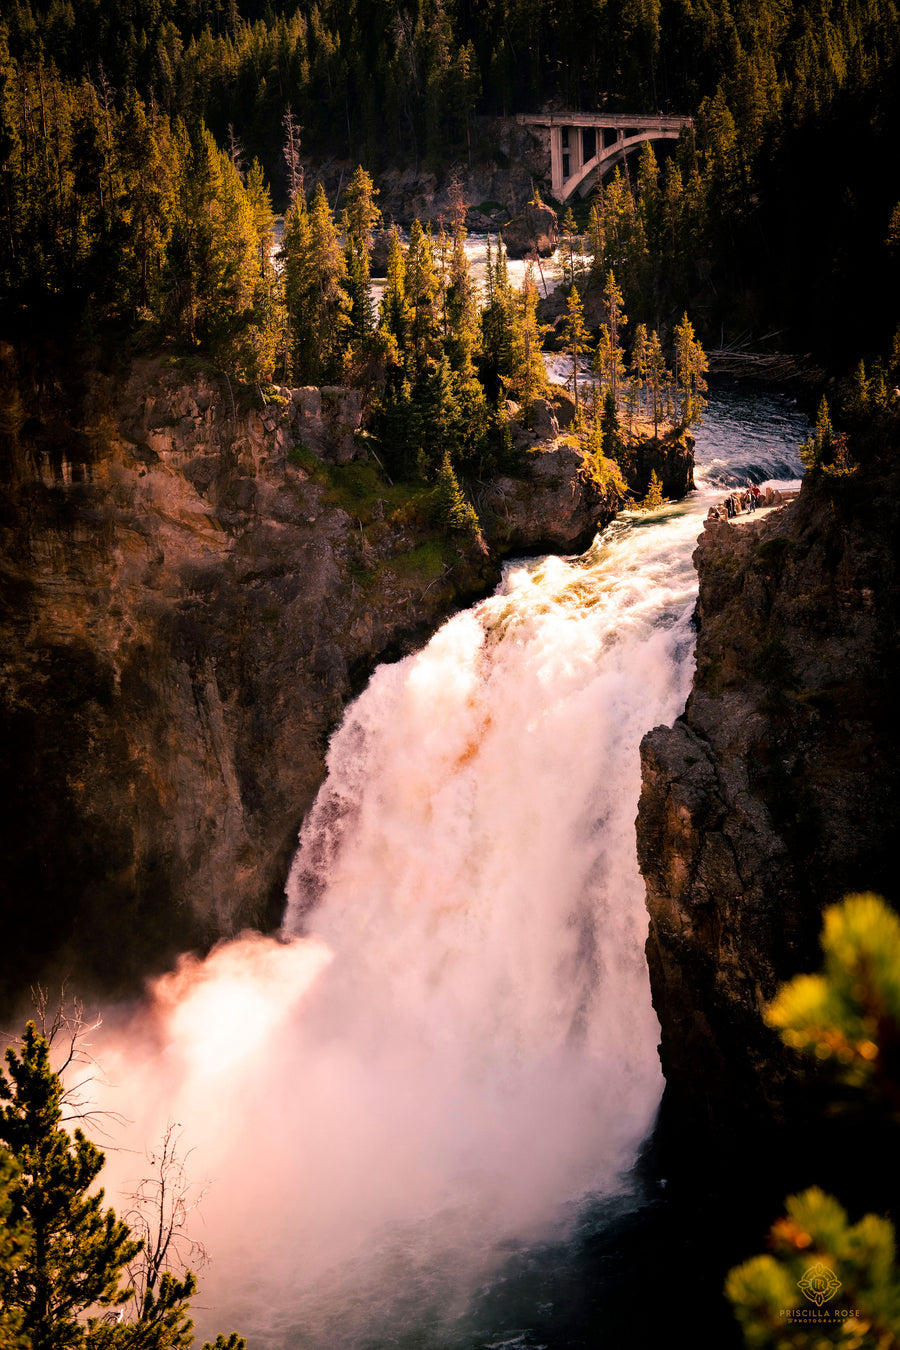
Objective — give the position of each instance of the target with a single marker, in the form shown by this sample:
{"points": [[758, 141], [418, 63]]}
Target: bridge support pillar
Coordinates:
{"points": [[557, 177], [576, 150]]}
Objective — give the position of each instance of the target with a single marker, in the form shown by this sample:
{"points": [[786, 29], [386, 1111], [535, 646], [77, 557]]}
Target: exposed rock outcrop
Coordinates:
{"points": [[671, 458], [189, 600], [773, 795], [535, 230]]}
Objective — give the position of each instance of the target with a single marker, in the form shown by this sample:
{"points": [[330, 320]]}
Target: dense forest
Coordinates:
{"points": [[145, 144]]}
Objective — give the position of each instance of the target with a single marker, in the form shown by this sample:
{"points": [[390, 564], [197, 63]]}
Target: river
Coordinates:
{"points": [[420, 1109]]}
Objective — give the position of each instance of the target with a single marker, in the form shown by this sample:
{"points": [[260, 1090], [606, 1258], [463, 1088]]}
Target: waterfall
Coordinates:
{"points": [[452, 1043]]}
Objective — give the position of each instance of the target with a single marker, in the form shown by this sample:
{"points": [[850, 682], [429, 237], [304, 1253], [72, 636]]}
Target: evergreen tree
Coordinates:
{"points": [[148, 204], [437, 399], [14, 1238], [528, 374], [463, 340], [576, 338], [62, 1256], [612, 432], [361, 218], [813, 1240], [399, 430], [653, 498], [316, 297], [396, 316], [453, 510], [76, 1252], [860, 394], [639, 363], [498, 318], [422, 291], [567, 248], [613, 357], [848, 1018], [818, 451], [690, 368]]}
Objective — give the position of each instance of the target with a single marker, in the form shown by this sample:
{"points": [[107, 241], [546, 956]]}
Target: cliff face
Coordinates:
{"points": [[773, 795], [190, 596]]}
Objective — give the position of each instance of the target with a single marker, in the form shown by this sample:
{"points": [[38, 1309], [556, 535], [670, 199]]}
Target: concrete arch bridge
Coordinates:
{"points": [[583, 146]]}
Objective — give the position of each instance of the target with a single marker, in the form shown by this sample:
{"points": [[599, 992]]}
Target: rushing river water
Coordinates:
{"points": [[420, 1111]]}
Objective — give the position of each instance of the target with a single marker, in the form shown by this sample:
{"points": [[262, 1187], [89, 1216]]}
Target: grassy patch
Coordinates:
{"points": [[303, 458], [363, 492], [420, 565]]}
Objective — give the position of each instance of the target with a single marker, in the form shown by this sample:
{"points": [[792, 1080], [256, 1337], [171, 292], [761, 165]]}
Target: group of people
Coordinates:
{"points": [[740, 499]]}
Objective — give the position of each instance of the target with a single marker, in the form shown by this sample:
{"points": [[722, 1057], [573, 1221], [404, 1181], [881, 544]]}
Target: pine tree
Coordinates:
{"points": [[396, 316], [422, 290], [860, 394], [463, 341], [14, 1241], [361, 217], [437, 400], [62, 1256], [576, 338], [143, 149], [76, 1252], [316, 297], [528, 374], [847, 1017], [639, 363], [612, 431], [567, 250], [612, 296], [690, 368], [453, 510], [497, 322], [291, 155], [818, 451], [653, 498]]}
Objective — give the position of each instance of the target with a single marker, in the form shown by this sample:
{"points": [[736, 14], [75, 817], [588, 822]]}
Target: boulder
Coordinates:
{"points": [[535, 229]]}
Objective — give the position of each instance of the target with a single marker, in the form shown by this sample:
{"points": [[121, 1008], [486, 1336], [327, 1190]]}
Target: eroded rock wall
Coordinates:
{"points": [[772, 796], [188, 603]]}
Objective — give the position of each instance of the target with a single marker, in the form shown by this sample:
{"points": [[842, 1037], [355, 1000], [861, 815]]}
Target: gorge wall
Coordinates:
{"points": [[191, 593], [775, 793]]}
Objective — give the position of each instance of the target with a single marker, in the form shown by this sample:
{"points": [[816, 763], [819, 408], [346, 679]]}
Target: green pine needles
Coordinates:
{"points": [[847, 1017], [63, 1254]]}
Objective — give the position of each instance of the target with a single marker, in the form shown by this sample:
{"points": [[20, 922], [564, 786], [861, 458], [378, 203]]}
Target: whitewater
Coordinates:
{"points": [[450, 1049]]}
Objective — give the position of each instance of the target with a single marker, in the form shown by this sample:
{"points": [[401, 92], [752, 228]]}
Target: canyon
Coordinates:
{"points": [[193, 591]]}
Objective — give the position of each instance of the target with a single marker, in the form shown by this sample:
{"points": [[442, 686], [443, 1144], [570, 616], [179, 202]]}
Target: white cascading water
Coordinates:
{"points": [[454, 1039]]}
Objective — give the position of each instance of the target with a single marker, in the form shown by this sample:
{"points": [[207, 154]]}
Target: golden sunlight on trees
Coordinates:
{"points": [[826, 1281]]}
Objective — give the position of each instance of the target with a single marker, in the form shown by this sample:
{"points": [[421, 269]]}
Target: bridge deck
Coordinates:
{"points": [[647, 121]]}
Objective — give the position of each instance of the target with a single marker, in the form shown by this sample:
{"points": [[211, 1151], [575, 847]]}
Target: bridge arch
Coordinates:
{"points": [[580, 183], [583, 146]]}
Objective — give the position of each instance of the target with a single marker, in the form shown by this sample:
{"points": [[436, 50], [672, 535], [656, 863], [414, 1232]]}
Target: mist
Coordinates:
{"points": [[451, 1043]]}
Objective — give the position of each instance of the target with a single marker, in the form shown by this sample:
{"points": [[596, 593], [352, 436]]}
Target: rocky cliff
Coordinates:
{"points": [[191, 592], [773, 795]]}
